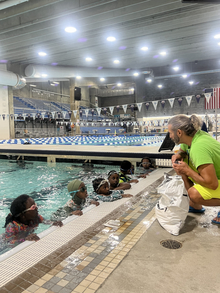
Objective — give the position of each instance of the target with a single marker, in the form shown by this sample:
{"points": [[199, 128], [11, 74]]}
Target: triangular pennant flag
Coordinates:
{"points": [[125, 108], [98, 110], [180, 101], [64, 114], [118, 108], [155, 104], [43, 114], [139, 105], [3, 116], [12, 116], [52, 113], [163, 103], [16, 116], [188, 99], [147, 105], [75, 113], [132, 108], [171, 101], [87, 112], [111, 109], [208, 96], [141, 123]]}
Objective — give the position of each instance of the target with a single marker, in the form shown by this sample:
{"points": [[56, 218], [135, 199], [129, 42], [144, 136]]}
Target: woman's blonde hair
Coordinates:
{"points": [[188, 124]]}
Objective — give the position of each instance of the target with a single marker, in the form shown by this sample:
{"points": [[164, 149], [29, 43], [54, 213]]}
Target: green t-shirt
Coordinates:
{"points": [[204, 150]]}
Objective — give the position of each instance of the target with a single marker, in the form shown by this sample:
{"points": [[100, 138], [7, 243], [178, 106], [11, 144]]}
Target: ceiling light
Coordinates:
{"points": [[184, 75], [191, 82], [160, 86], [70, 29], [88, 59], [56, 82], [176, 68], [78, 77], [44, 75], [116, 61], [144, 48], [217, 36], [33, 85], [111, 39], [118, 84], [149, 80], [219, 44], [102, 79], [42, 54], [136, 74], [163, 53], [132, 89]]}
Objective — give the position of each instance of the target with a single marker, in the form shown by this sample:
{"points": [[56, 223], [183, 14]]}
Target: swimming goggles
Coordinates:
{"points": [[101, 183], [82, 189], [145, 163], [32, 208], [112, 172]]}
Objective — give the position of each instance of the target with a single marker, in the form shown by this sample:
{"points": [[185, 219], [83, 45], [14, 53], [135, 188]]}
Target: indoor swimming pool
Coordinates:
{"points": [[46, 184]]}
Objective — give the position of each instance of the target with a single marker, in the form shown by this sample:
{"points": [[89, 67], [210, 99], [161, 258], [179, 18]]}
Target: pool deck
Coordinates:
{"points": [[126, 257]]}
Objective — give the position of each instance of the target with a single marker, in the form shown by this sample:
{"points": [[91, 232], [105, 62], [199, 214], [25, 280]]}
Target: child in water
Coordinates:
{"points": [[23, 219], [126, 168], [146, 167], [113, 179], [102, 191], [74, 206]]}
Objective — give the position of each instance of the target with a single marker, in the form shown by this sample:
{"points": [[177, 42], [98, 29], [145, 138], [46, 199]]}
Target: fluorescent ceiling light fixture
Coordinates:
{"points": [[56, 82], [118, 84], [149, 80], [160, 86], [102, 79], [70, 29], [163, 53], [184, 75], [136, 74], [111, 39], [176, 68], [217, 36], [132, 89], [191, 82], [88, 59], [33, 85], [144, 48], [78, 77], [42, 54], [44, 75], [116, 61]]}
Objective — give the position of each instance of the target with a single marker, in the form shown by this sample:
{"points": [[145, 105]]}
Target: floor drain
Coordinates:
{"points": [[171, 244]]}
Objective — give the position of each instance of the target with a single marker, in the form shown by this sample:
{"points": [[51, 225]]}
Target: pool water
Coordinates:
{"points": [[45, 183]]}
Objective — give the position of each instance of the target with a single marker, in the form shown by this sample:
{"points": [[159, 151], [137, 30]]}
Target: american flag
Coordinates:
{"points": [[215, 96]]}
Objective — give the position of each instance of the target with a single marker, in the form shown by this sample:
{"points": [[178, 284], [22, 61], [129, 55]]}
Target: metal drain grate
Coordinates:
{"points": [[171, 244]]}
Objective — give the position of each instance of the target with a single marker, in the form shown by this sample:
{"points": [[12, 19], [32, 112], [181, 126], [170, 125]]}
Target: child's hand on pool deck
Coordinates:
{"points": [[57, 223], [32, 237], [77, 213], [95, 202], [126, 195]]}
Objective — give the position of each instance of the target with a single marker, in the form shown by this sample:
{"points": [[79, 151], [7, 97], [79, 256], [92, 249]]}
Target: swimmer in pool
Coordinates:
{"points": [[114, 184]]}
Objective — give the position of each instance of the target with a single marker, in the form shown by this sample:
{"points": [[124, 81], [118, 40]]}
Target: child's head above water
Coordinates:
{"points": [[113, 178], [23, 209], [77, 188], [126, 167], [146, 163], [101, 186]]}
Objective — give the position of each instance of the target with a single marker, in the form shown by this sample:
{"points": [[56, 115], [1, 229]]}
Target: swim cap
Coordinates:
{"points": [[74, 185]]}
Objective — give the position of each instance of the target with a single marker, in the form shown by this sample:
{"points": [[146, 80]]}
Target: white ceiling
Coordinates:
{"points": [[185, 31]]}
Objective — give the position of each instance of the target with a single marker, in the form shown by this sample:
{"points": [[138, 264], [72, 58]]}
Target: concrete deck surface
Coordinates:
{"points": [[149, 267]]}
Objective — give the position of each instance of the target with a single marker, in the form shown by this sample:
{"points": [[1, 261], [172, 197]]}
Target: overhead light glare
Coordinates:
{"points": [[184, 75], [160, 86], [116, 61], [136, 74], [78, 77], [33, 85], [144, 48], [176, 68], [88, 59], [111, 39], [42, 54], [70, 29], [149, 80], [163, 53], [118, 84], [102, 79], [44, 75], [56, 82], [191, 82], [217, 36], [219, 44]]}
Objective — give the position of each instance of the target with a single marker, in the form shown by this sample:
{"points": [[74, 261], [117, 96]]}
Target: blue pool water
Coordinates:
{"points": [[46, 184]]}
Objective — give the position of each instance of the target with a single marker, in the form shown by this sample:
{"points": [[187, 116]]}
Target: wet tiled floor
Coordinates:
{"points": [[85, 269]]}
